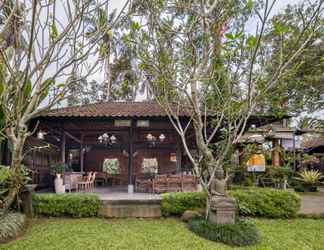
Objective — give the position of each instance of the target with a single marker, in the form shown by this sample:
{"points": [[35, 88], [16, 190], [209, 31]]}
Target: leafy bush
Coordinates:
{"points": [[266, 202], [11, 225], [311, 177], [261, 202], [174, 204], [242, 233], [72, 204], [12, 179], [59, 168]]}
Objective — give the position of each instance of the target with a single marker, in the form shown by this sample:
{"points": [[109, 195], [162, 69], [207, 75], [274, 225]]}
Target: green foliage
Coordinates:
{"points": [[260, 202], [72, 205], [251, 41], [266, 202], [10, 179], [161, 234], [59, 168], [53, 31], [174, 204], [311, 177], [11, 225], [278, 174], [242, 233], [301, 86], [5, 175]]}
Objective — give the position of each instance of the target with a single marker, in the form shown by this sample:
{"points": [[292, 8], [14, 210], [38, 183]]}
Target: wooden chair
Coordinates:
{"points": [[174, 183], [84, 184], [92, 182], [188, 183], [160, 184], [71, 180], [145, 186], [101, 177]]}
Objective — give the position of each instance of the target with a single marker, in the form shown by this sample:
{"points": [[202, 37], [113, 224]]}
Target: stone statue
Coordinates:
{"points": [[218, 184], [222, 207]]}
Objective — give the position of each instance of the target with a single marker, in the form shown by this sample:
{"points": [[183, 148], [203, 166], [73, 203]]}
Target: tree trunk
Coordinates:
{"points": [[16, 161]]}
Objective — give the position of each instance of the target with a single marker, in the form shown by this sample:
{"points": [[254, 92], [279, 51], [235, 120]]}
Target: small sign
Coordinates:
{"points": [[143, 123], [256, 163], [122, 123], [173, 157], [256, 168]]}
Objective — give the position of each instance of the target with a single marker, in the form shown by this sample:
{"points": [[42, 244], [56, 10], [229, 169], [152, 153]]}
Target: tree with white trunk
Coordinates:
{"points": [[43, 51], [202, 56]]}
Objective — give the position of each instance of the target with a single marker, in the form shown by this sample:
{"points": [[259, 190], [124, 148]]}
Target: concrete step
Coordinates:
{"points": [[134, 208]]}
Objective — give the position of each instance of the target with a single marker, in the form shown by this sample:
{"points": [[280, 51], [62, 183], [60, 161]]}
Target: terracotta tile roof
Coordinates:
{"points": [[313, 143], [113, 109]]}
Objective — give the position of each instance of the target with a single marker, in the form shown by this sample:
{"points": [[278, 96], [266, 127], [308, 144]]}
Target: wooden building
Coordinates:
{"points": [[133, 134], [128, 132]]}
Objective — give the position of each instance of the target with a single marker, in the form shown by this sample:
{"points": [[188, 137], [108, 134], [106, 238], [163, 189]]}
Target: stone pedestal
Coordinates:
{"points": [[26, 197], [222, 210]]}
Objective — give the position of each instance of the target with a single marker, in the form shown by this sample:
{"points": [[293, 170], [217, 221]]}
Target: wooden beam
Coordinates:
{"points": [[72, 137]]}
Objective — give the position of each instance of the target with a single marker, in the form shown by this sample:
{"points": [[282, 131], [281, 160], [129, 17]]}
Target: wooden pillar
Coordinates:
{"points": [[130, 157], [179, 156], [63, 142], [275, 153], [82, 154]]}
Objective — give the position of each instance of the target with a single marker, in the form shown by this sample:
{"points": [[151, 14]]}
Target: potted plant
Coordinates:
{"points": [[59, 170], [309, 179]]}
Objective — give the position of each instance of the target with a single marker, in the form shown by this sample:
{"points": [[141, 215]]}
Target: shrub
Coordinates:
{"points": [[174, 204], [11, 225], [262, 202], [266, 202], [72, 204], [242, 233]]}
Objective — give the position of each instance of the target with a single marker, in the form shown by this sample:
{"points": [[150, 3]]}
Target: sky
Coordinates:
{"points": [[279, 6]]}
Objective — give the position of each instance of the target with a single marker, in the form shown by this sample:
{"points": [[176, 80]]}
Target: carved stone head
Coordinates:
{"points": [[219, 174]]}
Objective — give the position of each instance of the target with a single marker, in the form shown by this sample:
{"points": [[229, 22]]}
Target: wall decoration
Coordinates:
{"points": [[173, 157], [150, 166], [111, 166]]}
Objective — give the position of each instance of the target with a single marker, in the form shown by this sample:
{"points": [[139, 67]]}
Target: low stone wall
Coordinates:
{"points": [[130, 208]]}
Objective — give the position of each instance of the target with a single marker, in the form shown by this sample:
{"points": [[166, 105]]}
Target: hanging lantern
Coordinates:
{"points": [[162, 137]]}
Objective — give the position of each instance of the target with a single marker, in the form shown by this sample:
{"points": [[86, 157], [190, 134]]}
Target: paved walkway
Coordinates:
{"points": [[312, 204]]}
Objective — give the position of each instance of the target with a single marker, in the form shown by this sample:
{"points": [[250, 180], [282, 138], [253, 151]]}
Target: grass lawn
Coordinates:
{"points": [[158, 234]]}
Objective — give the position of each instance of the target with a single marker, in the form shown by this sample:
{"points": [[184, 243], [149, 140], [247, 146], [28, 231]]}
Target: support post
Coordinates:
{"points": [[130, 159], [179, 157], [63, 142], [82, 154], [275, 153]]}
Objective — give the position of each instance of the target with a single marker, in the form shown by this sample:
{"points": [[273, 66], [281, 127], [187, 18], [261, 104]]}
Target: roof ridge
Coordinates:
{"points": [[114, 109], [105, 102]]}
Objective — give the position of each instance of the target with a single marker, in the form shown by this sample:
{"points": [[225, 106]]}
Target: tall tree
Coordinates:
{"points": [[121, 79], [302, 86], [188, 59], [42, 43]]}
